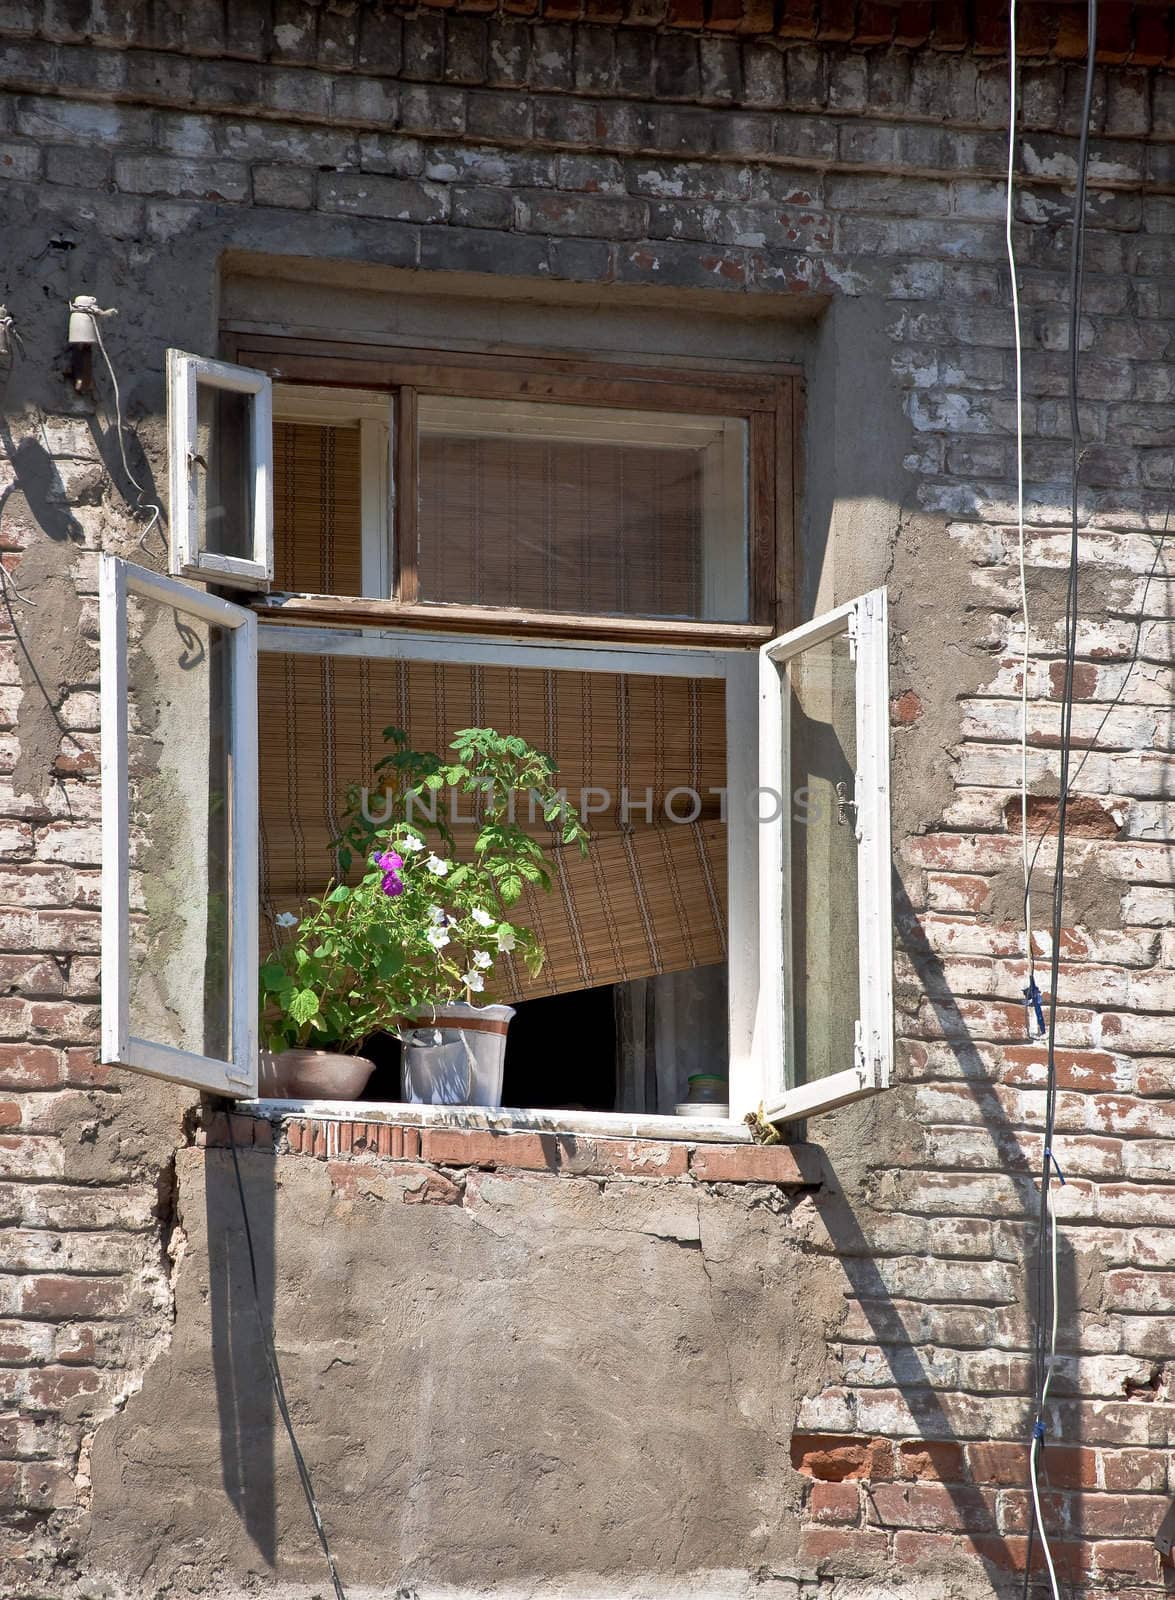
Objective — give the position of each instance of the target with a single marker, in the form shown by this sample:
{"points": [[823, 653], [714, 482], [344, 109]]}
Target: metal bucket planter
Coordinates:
{"points": [[455, 1057]]}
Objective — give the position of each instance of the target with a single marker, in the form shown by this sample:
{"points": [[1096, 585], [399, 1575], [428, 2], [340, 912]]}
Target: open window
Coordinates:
{"points": [[179, 831], [593, 560], [826, 951], [220, 451]]}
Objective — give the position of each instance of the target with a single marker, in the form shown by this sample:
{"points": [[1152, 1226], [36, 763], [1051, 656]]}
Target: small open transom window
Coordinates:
{"points": [[220, 433]]}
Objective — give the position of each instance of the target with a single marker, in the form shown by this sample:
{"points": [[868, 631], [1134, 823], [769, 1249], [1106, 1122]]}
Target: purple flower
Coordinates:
{"points": [[389, 861], [392, 884]]}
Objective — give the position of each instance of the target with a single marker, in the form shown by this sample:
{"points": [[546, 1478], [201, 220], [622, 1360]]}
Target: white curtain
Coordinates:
{"points": [[668, 1028]]}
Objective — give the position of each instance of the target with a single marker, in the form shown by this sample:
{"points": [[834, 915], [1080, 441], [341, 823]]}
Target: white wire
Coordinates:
{"points": [[156, 511], [1050, 1362], [1026, 659]]}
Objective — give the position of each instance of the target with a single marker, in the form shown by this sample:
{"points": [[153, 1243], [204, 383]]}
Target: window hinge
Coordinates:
{"points": [[852, 634], [859, 1048]]}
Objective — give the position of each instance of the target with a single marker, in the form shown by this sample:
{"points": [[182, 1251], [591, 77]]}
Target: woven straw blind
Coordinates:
{"points": [[316, 509], [560, 526], [651, 895]]}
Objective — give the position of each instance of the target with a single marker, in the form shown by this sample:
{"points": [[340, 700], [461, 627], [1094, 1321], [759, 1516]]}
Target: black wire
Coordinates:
{"points": [[1044, 1306], [275, 1374]]}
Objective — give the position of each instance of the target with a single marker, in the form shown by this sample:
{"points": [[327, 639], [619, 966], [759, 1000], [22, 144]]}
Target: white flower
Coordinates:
{"points": [[437, 866], [437, 915], [482, 918], [474, 980], [410, 844], [505, 937], [438, 938], [483, 959], [286, 919]]}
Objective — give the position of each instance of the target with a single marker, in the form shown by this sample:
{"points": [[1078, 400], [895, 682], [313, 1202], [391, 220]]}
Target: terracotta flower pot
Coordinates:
{"points": [[313, 1075]]}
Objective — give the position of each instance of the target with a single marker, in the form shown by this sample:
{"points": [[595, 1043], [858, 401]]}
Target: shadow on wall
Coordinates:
{"points": [[969, 1456], [244, 1396]]}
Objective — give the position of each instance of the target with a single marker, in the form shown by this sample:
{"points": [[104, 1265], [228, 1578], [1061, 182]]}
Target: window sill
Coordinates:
{"points": [[559, 1143]]}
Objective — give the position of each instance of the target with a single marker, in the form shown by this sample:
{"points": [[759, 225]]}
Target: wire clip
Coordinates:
{"points": [[1034, 1006], [1050, 1157], [1038, 1430]]}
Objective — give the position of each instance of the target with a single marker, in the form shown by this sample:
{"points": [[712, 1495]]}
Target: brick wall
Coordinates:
{"points": [[571, 150]]}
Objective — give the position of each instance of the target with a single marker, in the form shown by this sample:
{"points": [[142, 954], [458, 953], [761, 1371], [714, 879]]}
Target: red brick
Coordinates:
{"points": [[1114, 32], [951, 28], [61, 1297], [1003, 1465], [913, 24], [837, 20], [1134, 1516], [875, 23], [906, 708], [797, 19], [835, 1458], [838, 1503], [1128, 1559], [294, 1131], [926, 1459], [1152, 39], [934, 1507], [29, 1066], [433, 1188], [411, 1144], [54, 1388], [83, 1070], [794, 1165], [1133, 1469]]}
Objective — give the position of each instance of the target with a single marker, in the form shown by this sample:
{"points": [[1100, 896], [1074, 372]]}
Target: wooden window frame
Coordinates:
{"points": [[769, 403]]}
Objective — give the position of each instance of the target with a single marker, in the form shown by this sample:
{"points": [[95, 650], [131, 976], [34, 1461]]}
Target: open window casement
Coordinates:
{"points": [[179, 831], [826, 939], [220, 452]]}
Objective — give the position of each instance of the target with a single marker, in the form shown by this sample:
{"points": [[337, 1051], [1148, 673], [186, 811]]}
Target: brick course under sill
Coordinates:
{"points": [[329, 1132]]}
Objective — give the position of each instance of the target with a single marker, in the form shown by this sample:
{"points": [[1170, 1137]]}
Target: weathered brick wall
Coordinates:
{"points": [[647, 155]]}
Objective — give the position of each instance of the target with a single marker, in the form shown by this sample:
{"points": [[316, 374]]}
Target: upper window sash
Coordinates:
{"points": [[178, 682], [827, 699], [221, 471]]}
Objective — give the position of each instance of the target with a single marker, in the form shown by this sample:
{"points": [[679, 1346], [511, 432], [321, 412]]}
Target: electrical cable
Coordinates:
{"points": [[1047, 1309], [1031, 992], [275, 1376], [143, 504]]}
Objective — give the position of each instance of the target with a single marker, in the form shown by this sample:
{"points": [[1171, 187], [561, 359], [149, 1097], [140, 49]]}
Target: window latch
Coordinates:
{"points": [[195, 460], [844, 805]]}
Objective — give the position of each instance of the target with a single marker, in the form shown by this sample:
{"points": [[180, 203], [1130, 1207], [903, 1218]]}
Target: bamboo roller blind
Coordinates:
{"points": [[560, 526], [651, 895]]}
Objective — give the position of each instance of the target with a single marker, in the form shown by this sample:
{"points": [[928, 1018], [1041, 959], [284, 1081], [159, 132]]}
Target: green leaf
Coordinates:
{"points": [[304, 1006], [274, 978], [338, 894]]}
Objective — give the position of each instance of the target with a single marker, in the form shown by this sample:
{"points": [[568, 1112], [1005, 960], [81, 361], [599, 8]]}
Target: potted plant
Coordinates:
{"points": [[407, 948]]}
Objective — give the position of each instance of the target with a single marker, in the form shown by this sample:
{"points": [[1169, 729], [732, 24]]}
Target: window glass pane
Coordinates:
{"points": [[821, 716], [224, 483], [582, 509], [643, 757], [178, 670], [317, 519]]}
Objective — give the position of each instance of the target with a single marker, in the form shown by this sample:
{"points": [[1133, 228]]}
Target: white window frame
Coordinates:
{"points": [[372, 412], [119, 1047], [865, 622], [187, 554], [738, 669]]}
